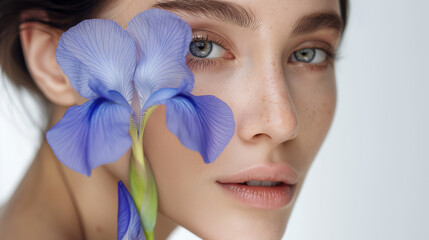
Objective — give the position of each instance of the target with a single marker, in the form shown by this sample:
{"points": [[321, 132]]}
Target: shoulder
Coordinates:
{"points": [[26, 223]]}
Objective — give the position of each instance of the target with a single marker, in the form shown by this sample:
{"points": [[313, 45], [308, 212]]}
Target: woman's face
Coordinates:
{"points": [[277, 76]]}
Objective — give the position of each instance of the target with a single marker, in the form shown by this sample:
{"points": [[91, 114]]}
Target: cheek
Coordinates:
{"points": [[120, 168], [315, 99], [317, 105], [176, 168], [189, 196], [166, 154]]}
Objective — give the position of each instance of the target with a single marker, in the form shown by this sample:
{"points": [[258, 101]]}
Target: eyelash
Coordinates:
{"points": [[204, 63], [207, 63], [315, 67]]}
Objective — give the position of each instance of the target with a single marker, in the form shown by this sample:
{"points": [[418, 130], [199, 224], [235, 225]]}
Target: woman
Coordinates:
{"points": [[272, 62]]}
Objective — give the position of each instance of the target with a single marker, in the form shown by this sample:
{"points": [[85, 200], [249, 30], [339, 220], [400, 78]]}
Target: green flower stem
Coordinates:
{"points": [[142, 182]]}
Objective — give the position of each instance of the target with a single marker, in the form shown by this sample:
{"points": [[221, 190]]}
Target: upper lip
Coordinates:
{"points": [[266, 172]]}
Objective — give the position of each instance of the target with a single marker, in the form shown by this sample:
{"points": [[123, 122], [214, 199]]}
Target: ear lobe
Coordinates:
{"points": [[39, 43]]}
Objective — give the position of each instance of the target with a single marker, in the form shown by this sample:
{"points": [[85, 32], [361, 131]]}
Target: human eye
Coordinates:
{"points": [[206, 51], [204, 48], [312, 58], [309, 55]]}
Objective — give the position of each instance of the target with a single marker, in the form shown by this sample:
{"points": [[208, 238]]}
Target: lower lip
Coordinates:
{"points": [[261, 197]]}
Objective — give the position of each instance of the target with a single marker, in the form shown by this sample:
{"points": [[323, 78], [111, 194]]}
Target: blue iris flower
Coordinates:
{"points": [[129, 227], [115, 68], [125, 75]]}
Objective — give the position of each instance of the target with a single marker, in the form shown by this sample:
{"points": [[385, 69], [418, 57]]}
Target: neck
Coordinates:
{"points": [[54, 202], [90, 202], [88, 206], [79, 207]]}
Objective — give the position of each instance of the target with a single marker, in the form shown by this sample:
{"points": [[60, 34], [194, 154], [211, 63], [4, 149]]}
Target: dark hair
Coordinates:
{"points": [[62, 15], [344, 5]]}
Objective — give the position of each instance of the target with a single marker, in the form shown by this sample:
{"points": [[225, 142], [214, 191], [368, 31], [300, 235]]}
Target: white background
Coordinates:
{"points": [[369, 180]]}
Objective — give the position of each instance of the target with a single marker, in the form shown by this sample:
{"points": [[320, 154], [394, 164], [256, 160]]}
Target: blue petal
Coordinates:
{"points": [[97, 87], [162, 39], [162, 95], [91, 134], [129, 227], [98, 49], [202, 123]]}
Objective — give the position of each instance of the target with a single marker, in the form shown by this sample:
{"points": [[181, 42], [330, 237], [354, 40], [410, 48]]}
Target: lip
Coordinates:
{"points": [[273, 197]]}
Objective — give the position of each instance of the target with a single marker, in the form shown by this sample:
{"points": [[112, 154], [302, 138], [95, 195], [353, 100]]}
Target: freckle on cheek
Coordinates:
{"points": [[310, 115]]}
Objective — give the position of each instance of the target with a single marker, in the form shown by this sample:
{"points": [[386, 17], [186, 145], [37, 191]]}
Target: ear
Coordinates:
{"points": [[39, 42]]}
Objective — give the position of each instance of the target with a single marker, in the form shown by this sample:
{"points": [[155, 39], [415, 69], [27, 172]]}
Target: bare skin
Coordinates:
{"points": [[283, 111], [54, 202]]}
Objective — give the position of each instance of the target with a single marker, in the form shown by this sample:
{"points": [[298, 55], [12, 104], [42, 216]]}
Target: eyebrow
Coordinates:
{"points": [[214, 9], [234, 13], [317, 21]]}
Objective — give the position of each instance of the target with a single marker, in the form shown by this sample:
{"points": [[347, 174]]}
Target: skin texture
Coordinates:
{"points": [[282, 109]]}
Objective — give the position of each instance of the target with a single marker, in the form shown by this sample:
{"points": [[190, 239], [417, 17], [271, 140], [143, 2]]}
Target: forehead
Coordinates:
{"points": [[268, 13], [283, 14]]}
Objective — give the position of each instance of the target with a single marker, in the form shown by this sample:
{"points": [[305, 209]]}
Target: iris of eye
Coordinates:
{"points": [[201, 49], [305, 55]]}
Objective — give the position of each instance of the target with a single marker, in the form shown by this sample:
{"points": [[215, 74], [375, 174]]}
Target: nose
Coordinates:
{"points": [[269, 112]]}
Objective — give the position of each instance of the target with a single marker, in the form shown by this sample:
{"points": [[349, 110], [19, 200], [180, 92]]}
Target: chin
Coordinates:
{"points": [[220, 217], [242, 224], [213, 208]]}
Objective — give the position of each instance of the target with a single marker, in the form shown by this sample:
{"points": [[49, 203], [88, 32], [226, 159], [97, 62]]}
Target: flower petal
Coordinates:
{"points": [[129, 226], [202, 123], [97, 87], [162, 95], [98, 49], [162, 39], [91, 134]]}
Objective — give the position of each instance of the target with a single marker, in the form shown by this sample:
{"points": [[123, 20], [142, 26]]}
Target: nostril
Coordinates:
{"points": [[258, 135], [276, 123]]}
